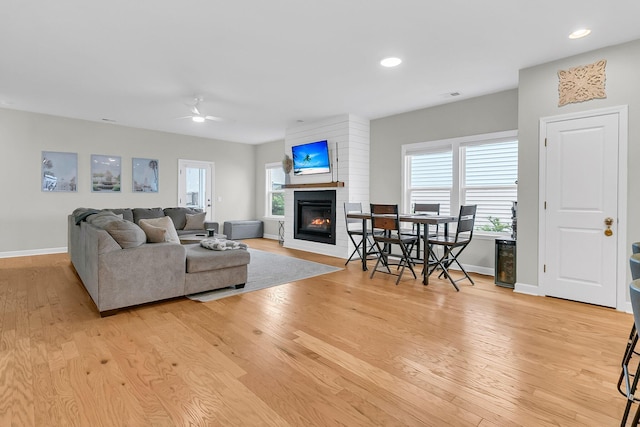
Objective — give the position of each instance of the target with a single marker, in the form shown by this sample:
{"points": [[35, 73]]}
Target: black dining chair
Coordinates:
{"points": [[453, 246], [356, 234], [385, 223], [627, 381], [424, 209], [629, 376]]}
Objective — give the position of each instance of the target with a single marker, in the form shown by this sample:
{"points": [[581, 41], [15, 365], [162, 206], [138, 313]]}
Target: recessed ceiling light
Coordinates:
{"points": [[391, 62], [197, 119], [578, 34]]}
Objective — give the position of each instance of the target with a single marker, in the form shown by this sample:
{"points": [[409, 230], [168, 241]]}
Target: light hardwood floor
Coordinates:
{"points": [[338, 349]]}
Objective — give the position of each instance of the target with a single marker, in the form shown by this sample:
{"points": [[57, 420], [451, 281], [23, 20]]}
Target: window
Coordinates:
{"points": [[275, 190], [480, 170]]}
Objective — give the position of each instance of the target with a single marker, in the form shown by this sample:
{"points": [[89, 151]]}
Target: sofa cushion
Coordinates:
{"points": [[154, 234], [166, 223], [201, 259], [179, 216], [146, 213], [126, 213], [195, 221], [126, 233]]}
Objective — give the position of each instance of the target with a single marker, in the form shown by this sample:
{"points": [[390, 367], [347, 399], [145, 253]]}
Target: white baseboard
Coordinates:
{"points": [[479, 269], [32, 252], [475, 269], [523, 288], [270, 236]]}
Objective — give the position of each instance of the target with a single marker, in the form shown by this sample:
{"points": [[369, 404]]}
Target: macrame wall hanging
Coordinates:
{"points": [[579, 84]]}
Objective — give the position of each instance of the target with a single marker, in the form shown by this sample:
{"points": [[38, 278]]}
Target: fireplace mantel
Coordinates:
{"points": [[316, 185]]}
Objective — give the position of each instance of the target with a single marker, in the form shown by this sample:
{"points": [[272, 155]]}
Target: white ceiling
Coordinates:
{"points": [[265, 64]]}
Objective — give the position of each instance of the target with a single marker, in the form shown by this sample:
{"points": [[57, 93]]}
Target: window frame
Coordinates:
{"points": [[454, 145], [268, 167]]}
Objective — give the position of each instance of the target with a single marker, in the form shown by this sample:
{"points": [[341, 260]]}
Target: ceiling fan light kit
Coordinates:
{"points": [[198, 117]]}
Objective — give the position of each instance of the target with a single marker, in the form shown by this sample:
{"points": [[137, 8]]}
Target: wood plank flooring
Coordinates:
{"points": [[334, 350]]}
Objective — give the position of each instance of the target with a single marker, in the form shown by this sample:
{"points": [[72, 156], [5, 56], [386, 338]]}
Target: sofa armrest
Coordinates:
{"points": [[210, 224]]}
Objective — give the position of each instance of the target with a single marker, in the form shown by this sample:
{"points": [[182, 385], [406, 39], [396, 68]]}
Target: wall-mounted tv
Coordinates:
{"points": [[311, 158]]}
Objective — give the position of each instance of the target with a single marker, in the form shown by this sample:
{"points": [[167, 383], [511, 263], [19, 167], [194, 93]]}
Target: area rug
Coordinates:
{"points": [[266, 270]]}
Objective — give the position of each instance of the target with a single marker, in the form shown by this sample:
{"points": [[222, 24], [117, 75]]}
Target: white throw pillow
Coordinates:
{"points": [[165, 222]]}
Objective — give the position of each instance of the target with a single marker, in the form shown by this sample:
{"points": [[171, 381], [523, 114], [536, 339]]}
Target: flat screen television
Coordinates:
{"points": [[311, 158]]}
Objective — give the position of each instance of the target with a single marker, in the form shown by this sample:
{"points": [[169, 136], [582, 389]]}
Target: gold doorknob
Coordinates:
{"points": [[608, 222]]}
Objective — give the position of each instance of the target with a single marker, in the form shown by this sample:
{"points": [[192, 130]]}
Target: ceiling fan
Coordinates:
{"points": [[197, 115]]}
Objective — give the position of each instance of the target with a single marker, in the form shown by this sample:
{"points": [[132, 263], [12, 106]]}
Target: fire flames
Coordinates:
{"points": [[318, 222]]}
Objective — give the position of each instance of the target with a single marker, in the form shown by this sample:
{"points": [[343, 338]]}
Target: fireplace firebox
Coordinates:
{"points": [[314, 216]]}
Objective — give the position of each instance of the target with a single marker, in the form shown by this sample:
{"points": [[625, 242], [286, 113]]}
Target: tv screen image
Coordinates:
{"points": [[311, 158]]}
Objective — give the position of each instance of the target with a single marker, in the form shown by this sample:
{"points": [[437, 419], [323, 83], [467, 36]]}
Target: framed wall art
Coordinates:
{"points": [[145, 175], [59, 172], [105, 174]]}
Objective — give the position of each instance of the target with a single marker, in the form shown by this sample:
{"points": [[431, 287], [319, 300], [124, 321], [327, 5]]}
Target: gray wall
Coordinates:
{"points": [[485, 114], [270, 152], [32, 220], [538, 93]]}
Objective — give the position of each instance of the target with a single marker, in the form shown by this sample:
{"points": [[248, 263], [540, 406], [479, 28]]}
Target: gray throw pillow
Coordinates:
{"points": [[179, 216], [127, 234], [101, 219], [195, 221]]}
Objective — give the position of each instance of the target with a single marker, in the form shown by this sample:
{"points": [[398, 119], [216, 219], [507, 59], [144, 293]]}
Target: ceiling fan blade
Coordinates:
{"points": [[194, 110], [184, 117], [215, 119]]}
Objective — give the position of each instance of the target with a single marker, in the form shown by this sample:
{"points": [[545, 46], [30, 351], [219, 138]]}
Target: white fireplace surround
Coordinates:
{"points": [[348, 140]]}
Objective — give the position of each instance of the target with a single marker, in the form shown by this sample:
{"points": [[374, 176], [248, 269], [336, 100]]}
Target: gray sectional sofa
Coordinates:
{"points": [[120, 268]]}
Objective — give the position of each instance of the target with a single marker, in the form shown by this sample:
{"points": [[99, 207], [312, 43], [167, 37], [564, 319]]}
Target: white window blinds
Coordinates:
{"points": [[479, 170]]}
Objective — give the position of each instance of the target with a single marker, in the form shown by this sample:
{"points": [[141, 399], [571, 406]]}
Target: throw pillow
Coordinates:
{"points": [[178, 215], [166, 223], [154, 234], [195, 221], [127, 234], [101, 219]]}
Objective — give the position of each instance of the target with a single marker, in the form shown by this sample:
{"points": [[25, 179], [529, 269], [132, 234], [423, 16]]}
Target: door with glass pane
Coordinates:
{"points": [[195, 186]]}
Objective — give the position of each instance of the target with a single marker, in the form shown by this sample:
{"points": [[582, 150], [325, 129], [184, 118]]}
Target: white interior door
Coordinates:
{"points": [[195, 186], [581, 199]]}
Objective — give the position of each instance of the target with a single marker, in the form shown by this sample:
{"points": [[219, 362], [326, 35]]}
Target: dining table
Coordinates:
{"points": [[420, 220]]}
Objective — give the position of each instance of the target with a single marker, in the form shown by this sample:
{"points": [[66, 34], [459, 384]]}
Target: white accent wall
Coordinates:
{"points": [[348, 140]]}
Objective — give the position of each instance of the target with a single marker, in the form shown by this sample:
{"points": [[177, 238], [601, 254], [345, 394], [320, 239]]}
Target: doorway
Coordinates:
{"points": [[583, 203], [195, 186]]}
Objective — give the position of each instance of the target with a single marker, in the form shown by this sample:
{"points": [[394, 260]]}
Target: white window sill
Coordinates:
{"points": [[490, 236]]}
